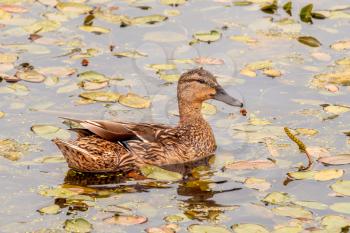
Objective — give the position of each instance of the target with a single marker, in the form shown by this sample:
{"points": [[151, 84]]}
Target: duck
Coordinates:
{"points": [[115, 146]]}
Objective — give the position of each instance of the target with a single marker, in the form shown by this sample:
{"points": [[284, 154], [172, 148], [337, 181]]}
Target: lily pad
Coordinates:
{"points": [[77, 225], [131, 54], [126, 220], [158, 173], [249, 228], [336, 160], [321, 175], [195, 228], [2, 114], [341, 45], [92, 76], [311, 204], [52, 209], [334, 223], [257, 183], [277, 198], [173, 2], [208, 37], [310, 41], [50, 132], [134, 101], [336, 109], [30, 76], [250, 165], [338, 78], [293, 212], [8, 57], [341, 187], [57, 192], [341, 207], [12, 150], [101, 96], [149, 19], [73, 7], [95, 29]]}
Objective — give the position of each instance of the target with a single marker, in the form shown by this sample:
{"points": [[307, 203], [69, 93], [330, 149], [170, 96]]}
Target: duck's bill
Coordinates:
{"points": [[221, 95]]}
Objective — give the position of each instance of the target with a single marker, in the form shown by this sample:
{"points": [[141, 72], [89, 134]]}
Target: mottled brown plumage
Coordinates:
{"points": [[108, 146]]}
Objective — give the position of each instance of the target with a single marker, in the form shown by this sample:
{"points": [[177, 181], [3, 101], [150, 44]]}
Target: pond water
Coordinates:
{"points": [[258, 56]]}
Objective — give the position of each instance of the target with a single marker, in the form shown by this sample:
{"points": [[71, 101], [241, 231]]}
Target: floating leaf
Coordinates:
{"points": [[309, 40], [343, 61], [173, 2], [305, 13], [321, 175], [259, 65], [338, 78], [50, 159], [311, 204], [341, 45], [59, 71], [43, 26], [12, 150], [334, 223], [287, 7], [342, 187], [8, 57], [270, 8], [158, 173], [257, 183], [170, 77], [150, 19], [73, 7], [288, 229], [208, 61], [162, 67], [336, 109], [101, 96], [306, 131], [77, 225], [30, 76], [134, 101], [277, 198], [94, 29], [50, 131], [126, 220], [243, 38], [131, 54], [208, 37], [341, 207], [52, 209], [249, 228], [250, 164], [271, 72], [57, 192], [195, 228], [93, 86], [293, 212], [92, 76], [2, 114], [336, 160]]}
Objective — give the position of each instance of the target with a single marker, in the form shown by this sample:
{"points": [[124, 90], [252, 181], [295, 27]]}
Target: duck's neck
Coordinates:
{"points": [[190, 111]]}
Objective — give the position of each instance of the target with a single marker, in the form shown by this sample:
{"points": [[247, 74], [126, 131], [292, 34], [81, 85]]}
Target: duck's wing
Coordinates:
{"points": [[119, 131]]}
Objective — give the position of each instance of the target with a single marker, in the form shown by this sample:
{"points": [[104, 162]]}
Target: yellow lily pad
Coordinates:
{"points": [[134, 101], [158, 173], [2, 114], [162, 67], [341, 45], [95, 29], [259, 65], [195, 228], [343, 61], [43, 26], [306, 131], [311, 204], [257, 183], [336, 109], [101, 96], [288, 229], [321, 175], [293, 212], [341, 187], [341, 207], [50, 132], [248, 72], [77, 225], [51, 209], [338, 78], [30, 76], [170, 77], [249, 228], [73, 7], [271, 72], [277, 198], [208, 37], [243, 38], [149, 19], [57, 192], [92, 76], [334, 223], [8, 57]]}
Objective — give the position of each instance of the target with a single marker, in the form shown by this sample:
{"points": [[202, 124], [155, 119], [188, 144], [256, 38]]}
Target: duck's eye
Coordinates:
{"points": [[201, 81]]}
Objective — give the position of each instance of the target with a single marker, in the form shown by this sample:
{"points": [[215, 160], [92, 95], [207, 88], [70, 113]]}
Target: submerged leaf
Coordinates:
{"points": [[126, 220], [249, 228], [158, 173], [77, 225]]}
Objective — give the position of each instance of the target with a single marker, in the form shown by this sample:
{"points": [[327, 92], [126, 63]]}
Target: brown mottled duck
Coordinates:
{"points": [[111, 146]]}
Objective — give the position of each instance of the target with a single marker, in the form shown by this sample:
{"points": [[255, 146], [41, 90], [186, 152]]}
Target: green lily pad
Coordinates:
{"points": [[50, 132], [310, 41], [158, 173], [341, 207], [101, 96], [208, 37], [52, 209], [257, 183], [57, 192], [342, 187], [305, 13], [77, 225], [293, 212], [195, 228], [249, 228], [162, 67], [277, 198], [149, 19], [321, 175], [131, 54]]}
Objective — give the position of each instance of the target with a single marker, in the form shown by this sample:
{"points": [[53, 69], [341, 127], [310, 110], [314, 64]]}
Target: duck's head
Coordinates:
{"points": [[199, 85]]}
